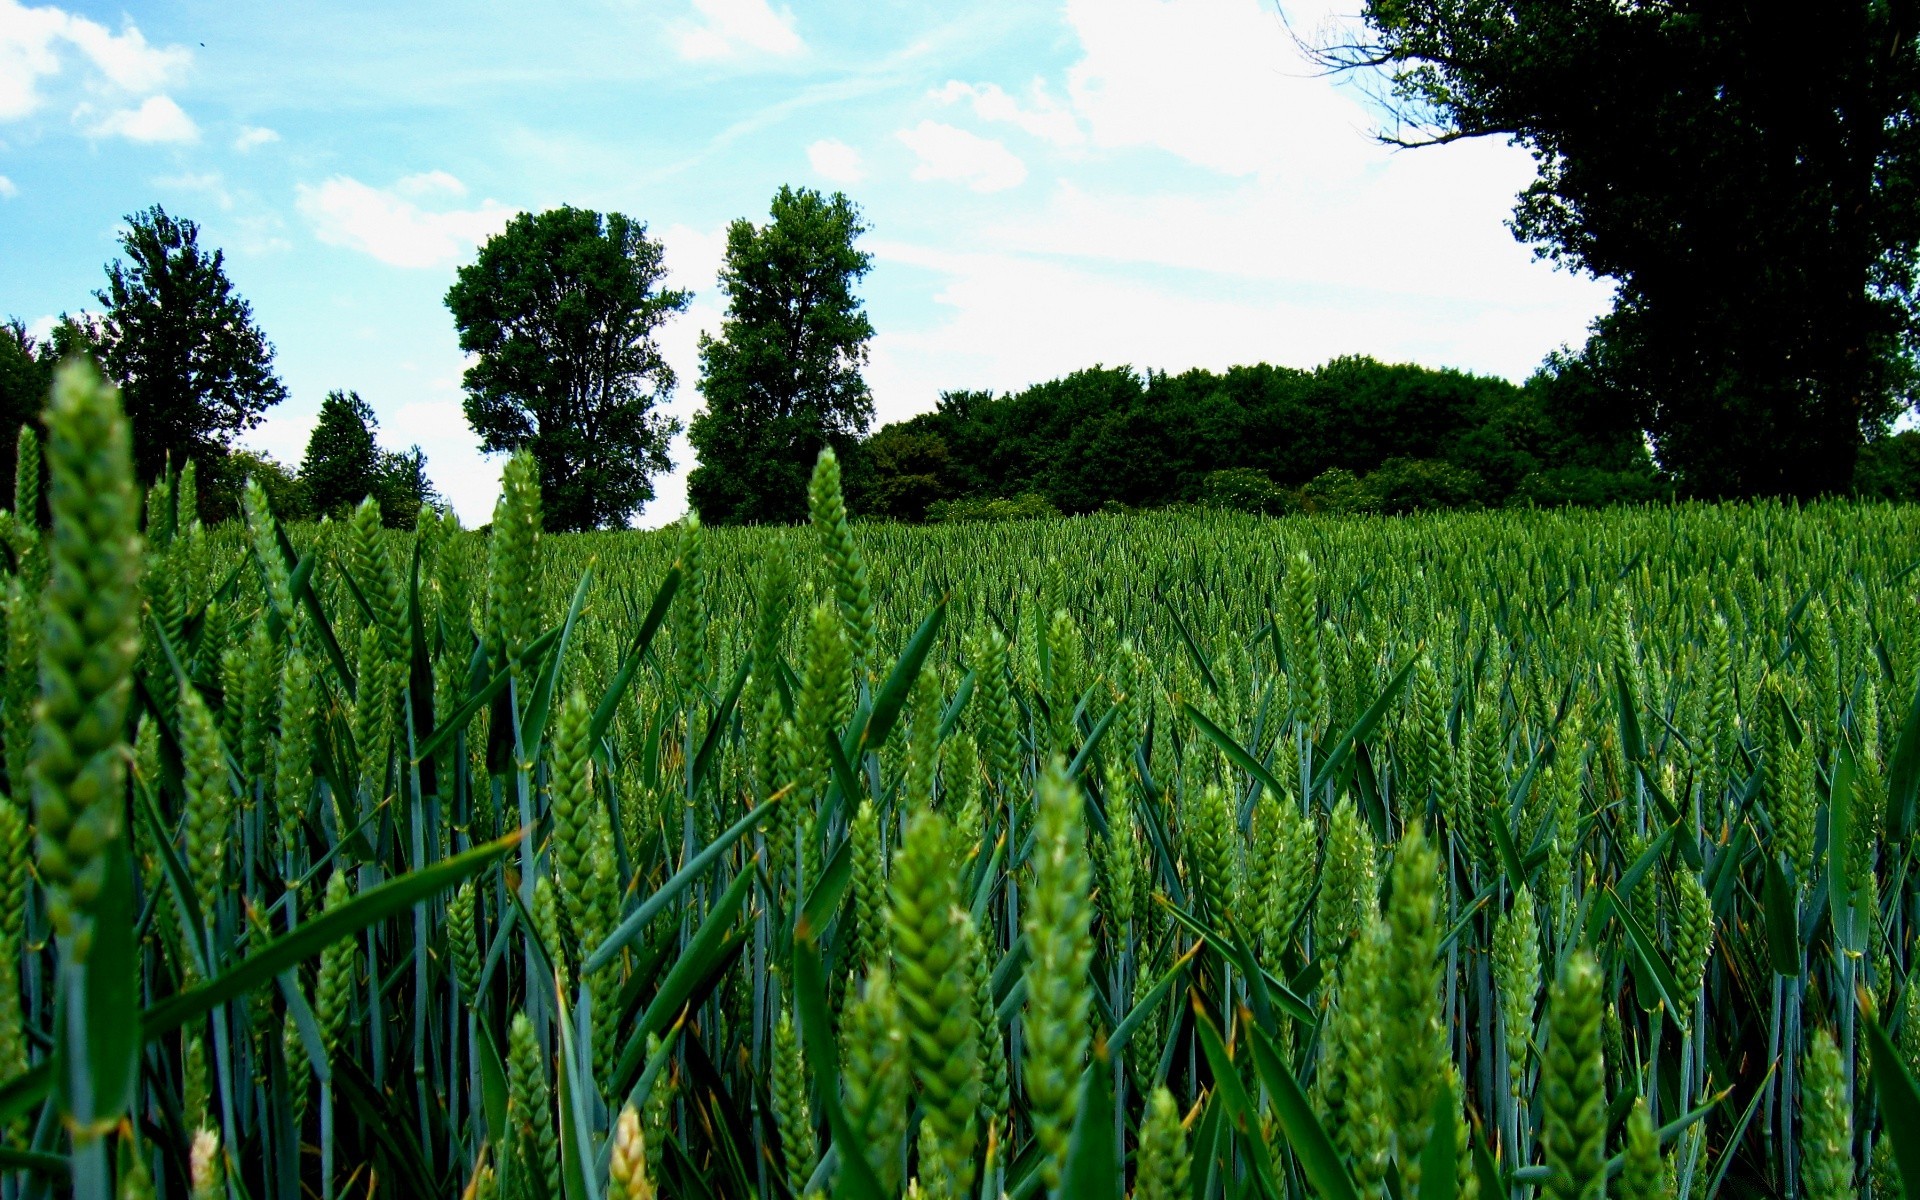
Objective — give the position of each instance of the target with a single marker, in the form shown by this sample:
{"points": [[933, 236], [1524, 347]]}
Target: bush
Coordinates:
{"points": [[1243, 489], [1404, 485], [1029, 506], [1337, 490]]}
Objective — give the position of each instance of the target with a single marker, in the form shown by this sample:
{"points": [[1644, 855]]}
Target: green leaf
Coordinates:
{"points": [[113, 991], [1282, 995], [1632, 747], [1843, 893], [892, 696], [1439, 1161], [1240, 1106], [716, 731], [1362, 729], [1651, 962], [1903, 776], [1899, 1103], [493, 1083], [1233, 750], [630, 664], [707, 950], [533, 722], [856, 1180], [1143, 1008], [1319, 1161], [579, 1179], [1092, 1169], [308, 938], [1783, 926], [641, 917]]}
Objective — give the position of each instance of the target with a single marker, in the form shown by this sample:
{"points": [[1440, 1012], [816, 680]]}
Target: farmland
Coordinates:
{"points": [[1515, 852]]}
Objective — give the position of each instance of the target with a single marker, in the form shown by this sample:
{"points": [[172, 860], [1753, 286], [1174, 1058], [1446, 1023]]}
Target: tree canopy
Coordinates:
{"points": [[782, 380], [1110, 436], [1751, 182], [193, 368], [561, 310]]}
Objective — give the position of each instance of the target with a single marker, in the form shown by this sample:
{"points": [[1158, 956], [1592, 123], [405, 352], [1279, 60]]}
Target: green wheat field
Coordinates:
{"points": [[1172, 855]]}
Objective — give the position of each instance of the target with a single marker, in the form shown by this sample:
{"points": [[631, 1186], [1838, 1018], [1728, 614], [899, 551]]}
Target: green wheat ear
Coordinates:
{"points": [[850, 587], [1644, 1177], [1516, 975], [1059, 993], [90, 640], [1163, 1163], [1826, 1124], [1573, 1085], [513, 596], [530, 1108], [935, 984], [876, 1075], [792, 1116]]}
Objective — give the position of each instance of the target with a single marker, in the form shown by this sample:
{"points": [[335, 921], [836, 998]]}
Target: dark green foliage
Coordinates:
{"points": [[193, 367], [782, 381], [1258, 438], [344, 465], [341, 460], [562, 309], [26, 372], [1889, 468], [1752, 192]]}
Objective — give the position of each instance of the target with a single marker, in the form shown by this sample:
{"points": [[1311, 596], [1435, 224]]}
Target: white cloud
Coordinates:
{"points": [[430, 183], [253, 136], [946, 152], [383, 222], [731, 27], [1046, 119], [29, 39], [834, 160], [1014, 319], [1219, 83], [8, 190], [208, 183], [158, 119]]}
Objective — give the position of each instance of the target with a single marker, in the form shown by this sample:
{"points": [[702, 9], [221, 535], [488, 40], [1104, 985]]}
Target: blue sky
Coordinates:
{"points": [[1050, 184]]}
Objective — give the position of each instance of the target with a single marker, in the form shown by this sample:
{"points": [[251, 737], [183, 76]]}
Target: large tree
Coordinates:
{"points": [[782, 380], [561, 310], [194, 369], [1747, 174]]}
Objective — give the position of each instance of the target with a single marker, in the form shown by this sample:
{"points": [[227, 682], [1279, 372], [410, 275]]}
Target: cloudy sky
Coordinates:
{"points": [[1163, 183]]}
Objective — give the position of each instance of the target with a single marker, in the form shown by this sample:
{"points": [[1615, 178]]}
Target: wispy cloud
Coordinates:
{"points": [[835, 161], [953, 154], [157, 119], [730, 28], [252, 137], [388, 224]]}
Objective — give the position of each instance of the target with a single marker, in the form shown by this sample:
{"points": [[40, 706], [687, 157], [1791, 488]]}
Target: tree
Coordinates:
{"points": [[1751, 184], [26, 372], [193, 368], [782, 380], [344, 465], [402, 487], [341, 467], [561, 309]]}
